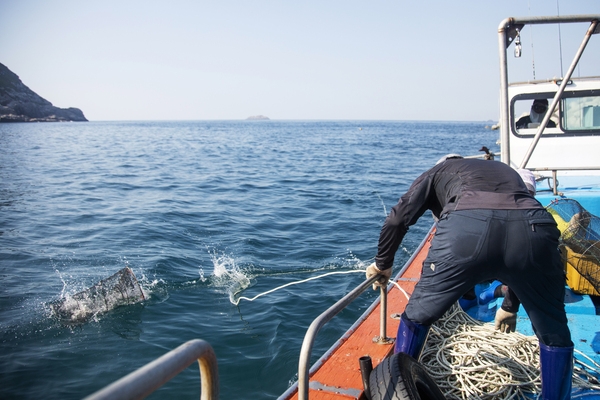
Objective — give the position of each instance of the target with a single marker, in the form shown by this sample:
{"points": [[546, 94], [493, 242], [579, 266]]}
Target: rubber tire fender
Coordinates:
{"points": [[401, 377]]}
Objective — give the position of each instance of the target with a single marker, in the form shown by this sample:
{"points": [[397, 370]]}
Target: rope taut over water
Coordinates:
{"points": [[237, 301]]}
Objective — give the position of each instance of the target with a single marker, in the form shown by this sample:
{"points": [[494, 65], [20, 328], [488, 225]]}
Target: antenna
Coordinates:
{"points": [[559, 41], [531, 39]]}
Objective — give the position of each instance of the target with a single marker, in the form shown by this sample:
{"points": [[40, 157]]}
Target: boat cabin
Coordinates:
{"points": [[573, 127]]}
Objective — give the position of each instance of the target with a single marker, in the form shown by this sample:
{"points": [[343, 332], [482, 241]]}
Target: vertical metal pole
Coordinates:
{"points": [[383, 313], [383, 338], [504, 119]]}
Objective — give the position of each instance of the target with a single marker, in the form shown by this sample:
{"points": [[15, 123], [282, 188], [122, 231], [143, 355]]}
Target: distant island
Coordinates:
{"points": [[18, 103], [257, 117]]}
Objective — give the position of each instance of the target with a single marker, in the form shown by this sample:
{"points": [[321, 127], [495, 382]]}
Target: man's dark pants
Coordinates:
{"points": [[517, 247]]}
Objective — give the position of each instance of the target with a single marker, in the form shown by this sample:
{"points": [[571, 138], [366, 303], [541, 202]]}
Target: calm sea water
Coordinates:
{"points": [[202, 212]]}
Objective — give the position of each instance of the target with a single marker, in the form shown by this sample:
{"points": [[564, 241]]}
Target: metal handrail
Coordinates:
{"points": [[302, 386], [554, 171], [153, 375], [317, 324]]}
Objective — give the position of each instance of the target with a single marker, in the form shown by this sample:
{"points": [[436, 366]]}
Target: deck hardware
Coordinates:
{"points": [[383, 340], [558, 82], [518, 46], [326, 390], [366, 367], [511, 30]]}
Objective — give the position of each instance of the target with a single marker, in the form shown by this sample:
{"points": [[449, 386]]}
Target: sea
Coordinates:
{"points": [[208, 215]]}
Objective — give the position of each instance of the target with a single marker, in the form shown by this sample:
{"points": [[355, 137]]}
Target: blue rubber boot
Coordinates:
{"points": [[467, 304], [488, 294], [556, 364], [411, 337]]}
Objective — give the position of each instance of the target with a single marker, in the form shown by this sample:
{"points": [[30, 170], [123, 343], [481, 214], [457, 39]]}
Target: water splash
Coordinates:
{"points": [[352, 261], [228, 276], [153, 288]]}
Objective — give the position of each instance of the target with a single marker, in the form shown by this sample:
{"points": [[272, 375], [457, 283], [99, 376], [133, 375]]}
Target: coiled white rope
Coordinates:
{"points": [[471, 360]]}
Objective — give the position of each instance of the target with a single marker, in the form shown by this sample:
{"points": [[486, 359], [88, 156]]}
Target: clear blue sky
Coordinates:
{"points": [[230, 59]]}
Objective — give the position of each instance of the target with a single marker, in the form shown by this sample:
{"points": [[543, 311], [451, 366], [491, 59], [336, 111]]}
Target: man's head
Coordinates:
{"points": [[540, 106]]}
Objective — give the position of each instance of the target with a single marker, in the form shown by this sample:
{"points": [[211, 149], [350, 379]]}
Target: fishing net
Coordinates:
{"points": [[120, 289], [580, 234]]}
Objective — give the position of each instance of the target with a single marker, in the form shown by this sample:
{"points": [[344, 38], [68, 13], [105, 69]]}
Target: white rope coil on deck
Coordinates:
{"points": [[471, 360]]}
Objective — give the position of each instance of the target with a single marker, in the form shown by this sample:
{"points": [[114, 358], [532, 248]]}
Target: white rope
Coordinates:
{"points": [[236, 302], [471, 360], [402, 290]]}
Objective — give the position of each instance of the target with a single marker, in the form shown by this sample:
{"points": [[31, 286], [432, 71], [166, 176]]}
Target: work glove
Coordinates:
{"points": [[384, 278], [505, 321]]}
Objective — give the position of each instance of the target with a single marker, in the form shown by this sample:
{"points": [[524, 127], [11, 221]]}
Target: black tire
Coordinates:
{"points": [[401, 377]]}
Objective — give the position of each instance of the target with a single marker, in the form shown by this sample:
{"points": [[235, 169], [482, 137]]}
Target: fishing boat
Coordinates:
{"points": [[561, 149]]}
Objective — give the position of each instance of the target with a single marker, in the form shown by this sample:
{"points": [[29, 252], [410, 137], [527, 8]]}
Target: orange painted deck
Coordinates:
{"points": [[339, 376]]}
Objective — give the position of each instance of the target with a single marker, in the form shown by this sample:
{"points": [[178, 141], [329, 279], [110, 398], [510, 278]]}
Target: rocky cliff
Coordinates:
{"points": [[18, 103]]}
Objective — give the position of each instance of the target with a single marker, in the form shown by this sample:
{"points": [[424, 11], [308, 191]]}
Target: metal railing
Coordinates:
{"points": [[326, 316], [555, 170], [302, 385], [153, 375]]}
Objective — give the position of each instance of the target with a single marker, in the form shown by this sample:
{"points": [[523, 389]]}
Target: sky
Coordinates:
{"points": [[287, 60]]}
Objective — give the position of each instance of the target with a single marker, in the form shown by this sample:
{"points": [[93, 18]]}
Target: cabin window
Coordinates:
{"points": [[581, 113], [577, 113], [528, 113]]}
